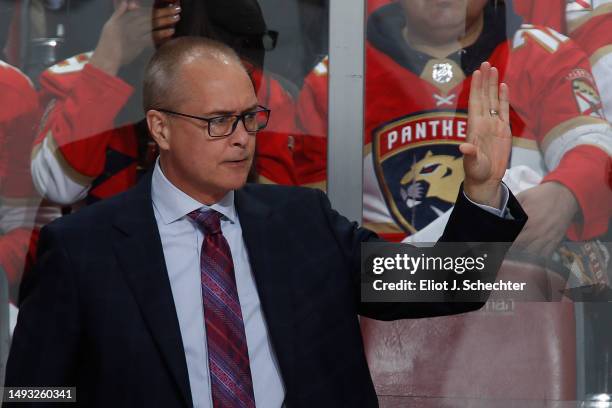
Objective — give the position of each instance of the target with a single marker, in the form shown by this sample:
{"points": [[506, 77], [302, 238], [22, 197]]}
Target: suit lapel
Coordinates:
{"points": [[139, 251], [274, 284]]}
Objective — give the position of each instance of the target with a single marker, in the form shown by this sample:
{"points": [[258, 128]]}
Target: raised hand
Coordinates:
{"points": [[132, 28], [164, 20], [489, 139]]}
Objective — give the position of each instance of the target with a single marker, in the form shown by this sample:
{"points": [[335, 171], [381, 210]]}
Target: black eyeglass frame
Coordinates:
{"points": [[236, 119]]}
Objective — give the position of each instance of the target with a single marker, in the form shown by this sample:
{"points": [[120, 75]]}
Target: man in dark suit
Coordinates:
{"points": [[193, 289]]}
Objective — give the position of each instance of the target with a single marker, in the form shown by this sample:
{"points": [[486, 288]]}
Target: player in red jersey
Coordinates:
{"points": [[88, 147], [589, 24], [417, 80], [20, 215]]}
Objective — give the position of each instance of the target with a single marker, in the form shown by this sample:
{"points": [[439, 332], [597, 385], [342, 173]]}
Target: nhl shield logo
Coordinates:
{"points": [[442, 73], [419, 166]]}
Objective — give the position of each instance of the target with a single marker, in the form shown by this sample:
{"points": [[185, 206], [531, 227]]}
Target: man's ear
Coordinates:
{"points": [[158, 127]]}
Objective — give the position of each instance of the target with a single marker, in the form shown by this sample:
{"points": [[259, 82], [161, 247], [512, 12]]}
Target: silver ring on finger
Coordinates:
{"points": [[493, 112]]}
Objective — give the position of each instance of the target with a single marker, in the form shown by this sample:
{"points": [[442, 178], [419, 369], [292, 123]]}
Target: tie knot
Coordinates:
{"points": [[209, 221]]}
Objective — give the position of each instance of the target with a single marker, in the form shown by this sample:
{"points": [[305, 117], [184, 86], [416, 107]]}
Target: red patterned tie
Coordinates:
{"points": [[228, 356]]}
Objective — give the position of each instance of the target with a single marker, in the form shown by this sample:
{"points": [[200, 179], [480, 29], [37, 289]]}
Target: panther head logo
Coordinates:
{"points": [[436, 176]]}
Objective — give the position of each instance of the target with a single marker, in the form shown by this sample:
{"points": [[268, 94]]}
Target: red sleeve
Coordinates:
{"points": [[557, 96], [594, 34], [375, 4], [549, 13], [19, 115], [586, 171], [275, 144], [549, 74], [311, 149], [81, 113]]}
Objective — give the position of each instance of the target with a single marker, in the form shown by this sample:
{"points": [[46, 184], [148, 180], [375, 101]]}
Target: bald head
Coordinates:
{"points": [[161, 85]]}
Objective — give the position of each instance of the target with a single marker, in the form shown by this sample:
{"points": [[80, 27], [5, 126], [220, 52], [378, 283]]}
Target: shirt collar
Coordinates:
{"points": [[172, 204]]}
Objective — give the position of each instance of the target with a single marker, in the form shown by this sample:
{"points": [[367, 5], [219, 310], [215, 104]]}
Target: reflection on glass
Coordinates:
{"points": [[71, 127], [419, 60]]}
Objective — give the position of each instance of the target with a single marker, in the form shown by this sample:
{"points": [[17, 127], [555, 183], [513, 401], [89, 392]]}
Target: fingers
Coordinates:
{"points": [[504, 102], [165, 22], [493, 86], [485, 68], [121, 9], [468, 149], [482, 95], [163, 12], [138, 17], [133, 5], [161, 36], [475, 103]]}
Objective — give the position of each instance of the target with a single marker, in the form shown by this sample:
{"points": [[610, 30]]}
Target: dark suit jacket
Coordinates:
{"points": [[98, 311]]}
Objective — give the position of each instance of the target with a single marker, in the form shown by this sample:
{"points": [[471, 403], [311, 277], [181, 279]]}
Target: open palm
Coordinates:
{"points": [[489, 139]]}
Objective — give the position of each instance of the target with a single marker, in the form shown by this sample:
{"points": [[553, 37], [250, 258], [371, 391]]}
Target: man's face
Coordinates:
{"points": [[197, 163], [442, 20]]}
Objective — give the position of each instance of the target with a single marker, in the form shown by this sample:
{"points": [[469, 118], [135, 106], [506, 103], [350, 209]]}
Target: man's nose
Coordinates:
{"points": [[240, 137]]}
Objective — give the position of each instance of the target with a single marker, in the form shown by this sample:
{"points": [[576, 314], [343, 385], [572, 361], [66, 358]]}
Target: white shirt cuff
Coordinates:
{"points": [[503, 212]]}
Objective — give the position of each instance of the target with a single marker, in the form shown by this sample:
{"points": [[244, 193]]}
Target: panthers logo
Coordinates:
{"points": [[419, 166], [432, 177]]}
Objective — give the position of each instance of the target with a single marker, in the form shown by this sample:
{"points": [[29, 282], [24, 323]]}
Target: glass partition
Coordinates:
{"points": [[369, 103], [555, 57], [72, 127]]}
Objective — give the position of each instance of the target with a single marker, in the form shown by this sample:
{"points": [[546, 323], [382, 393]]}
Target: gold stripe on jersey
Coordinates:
{"points": [[599, 11], [384, 227], [367, 149], [320, 185], [428, 74], [67, 169], [264, 180], [568, 125], [524, 143], [600, 53]]}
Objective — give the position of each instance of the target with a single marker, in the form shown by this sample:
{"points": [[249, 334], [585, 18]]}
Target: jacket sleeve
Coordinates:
{"points": [[468, 223]]}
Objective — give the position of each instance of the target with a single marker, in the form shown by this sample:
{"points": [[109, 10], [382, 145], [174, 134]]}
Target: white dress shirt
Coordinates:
{"points": [[182, 244]]}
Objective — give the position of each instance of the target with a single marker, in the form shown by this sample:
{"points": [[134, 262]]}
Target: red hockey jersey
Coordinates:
{"points": [[18, 119], [589, 24], [19, 202], [79, 153], [416, 116]]}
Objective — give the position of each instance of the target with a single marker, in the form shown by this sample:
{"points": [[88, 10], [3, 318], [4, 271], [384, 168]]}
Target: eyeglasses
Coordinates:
{"points": [[225, 125]]}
